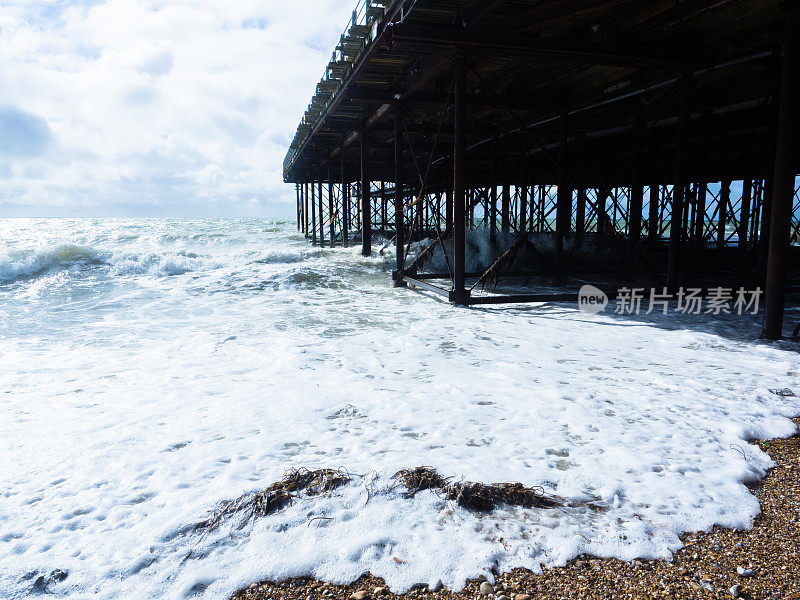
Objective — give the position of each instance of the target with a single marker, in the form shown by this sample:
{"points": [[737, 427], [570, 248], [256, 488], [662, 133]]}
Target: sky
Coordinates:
{"points": [[180, 108]]}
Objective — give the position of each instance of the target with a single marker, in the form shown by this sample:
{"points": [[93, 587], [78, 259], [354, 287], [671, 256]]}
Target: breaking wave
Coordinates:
{"points": [[23, 265]]}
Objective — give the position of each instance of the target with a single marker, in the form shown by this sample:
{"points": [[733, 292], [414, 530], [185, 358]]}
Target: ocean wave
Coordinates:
{"points": [[25, 265], [30, 264], [282, 258]]}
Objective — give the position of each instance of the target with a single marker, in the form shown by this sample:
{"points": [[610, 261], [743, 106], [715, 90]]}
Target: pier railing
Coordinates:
{"points": [[356, 36]]}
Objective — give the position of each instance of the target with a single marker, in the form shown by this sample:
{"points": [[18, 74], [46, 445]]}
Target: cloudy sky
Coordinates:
{"points": [[156, 107]]}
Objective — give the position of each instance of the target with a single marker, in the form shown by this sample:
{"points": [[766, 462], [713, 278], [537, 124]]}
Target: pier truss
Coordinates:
{"points": [[666, 130]]}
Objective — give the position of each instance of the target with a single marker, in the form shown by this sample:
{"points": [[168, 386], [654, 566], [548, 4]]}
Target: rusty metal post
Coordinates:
{"points": [[321, 213], [303, 217], [460, 294], [383, 207], [699, 217], [448, 211], [635, 218], [580, 217], [306, 217], [654, 213], [366, 204], [331, 208], [493, 190], [766, 215], [345, 206], [313, 213], [679, 191], [722, 217], [787, 149], [744, 217], [563, 196], [505, 207], [399, 223]]}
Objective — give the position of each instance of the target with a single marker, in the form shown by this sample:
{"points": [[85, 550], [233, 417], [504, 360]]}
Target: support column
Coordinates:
{"points": [[700, 216], [722, 217], [493, 190], [331, 208], [297, 195], [306, 210], [320, 212], [366, 204], [635, 218], [679, 191], [398, 199], [303, 217], [448, 211], [523, 206], [654, 215], [384, 211], [313, 214], [345, 206], [563, 196], [580, 220], [505, 208], [744, 217], [460, 294], [787, 149]]}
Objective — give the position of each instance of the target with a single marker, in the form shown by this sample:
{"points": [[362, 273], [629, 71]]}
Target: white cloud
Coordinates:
{"points": [[183, 105]]}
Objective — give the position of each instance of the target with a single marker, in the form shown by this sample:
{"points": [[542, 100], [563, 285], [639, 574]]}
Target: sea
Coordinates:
{"points": [[151, 369]]}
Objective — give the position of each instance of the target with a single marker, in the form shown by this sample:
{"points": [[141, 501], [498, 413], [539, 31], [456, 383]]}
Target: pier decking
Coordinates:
{"points": [[669, 127]]}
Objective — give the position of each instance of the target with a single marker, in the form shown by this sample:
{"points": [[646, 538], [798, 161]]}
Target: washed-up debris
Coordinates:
{"points": [[42, 583], [420, 479], [276, 497], [472, 495], [784, 393]]}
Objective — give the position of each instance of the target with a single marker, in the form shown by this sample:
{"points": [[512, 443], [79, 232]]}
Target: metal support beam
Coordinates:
{"points": [[505, 207], [523, 206], [331, 209], [787, 152], [744, 220], [493, 193], [654, 214], [679, 191], [366, 204], [563, 197], [580, 217], [722, 216], [345, 206], [321, 213], [313, 214], [399, 223], [460, 294]]}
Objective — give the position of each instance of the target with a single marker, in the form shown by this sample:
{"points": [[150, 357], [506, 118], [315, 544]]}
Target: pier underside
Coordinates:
{"points": [[664, 133]]}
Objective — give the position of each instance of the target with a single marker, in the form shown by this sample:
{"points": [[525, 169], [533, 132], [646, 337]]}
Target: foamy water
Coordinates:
{"points": [[151, 369]]}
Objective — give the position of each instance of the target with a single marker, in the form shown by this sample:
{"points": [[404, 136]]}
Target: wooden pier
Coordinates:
{"points": [[669, 128]]}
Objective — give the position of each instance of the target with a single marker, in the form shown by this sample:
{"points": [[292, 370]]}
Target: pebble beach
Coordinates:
{"points": [[758, 564]]}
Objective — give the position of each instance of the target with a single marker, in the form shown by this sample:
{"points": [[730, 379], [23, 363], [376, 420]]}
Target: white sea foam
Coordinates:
{"points": [[134, 402]]}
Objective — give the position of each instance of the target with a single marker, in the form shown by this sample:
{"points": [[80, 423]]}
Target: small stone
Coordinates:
{"points": [[486, 589], [359, 595], [736, 590], [379, 591], [522, 597], [253, 586], [744, 572]]}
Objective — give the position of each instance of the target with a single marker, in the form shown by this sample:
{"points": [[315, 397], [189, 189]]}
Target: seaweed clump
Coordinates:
{"points": [[420, 479], [475, 496], [276, 497]]}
